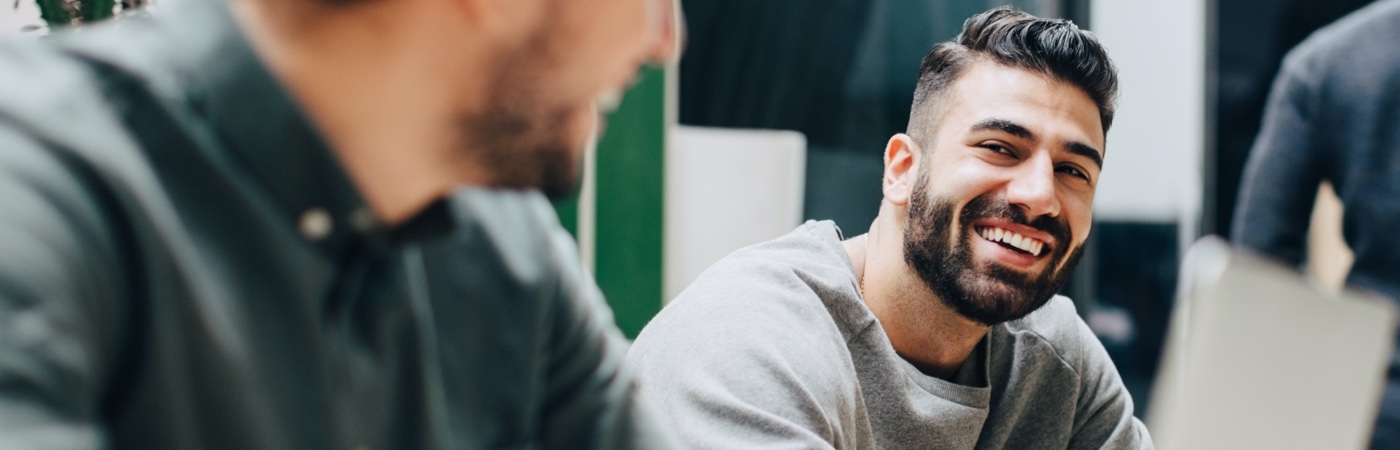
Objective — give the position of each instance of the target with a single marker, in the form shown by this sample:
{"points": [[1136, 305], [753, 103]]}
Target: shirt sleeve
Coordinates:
{"points": [[1104, 413], [57, 313], [591, 398], [1284, 168]]}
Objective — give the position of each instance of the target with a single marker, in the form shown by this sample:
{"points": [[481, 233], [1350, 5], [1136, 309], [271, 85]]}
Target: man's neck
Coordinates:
{"points": [[922, 329], [358, 77]]}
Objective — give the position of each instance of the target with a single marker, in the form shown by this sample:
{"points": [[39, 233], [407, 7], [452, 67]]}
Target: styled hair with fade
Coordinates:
{"points": [[1052, 47]]}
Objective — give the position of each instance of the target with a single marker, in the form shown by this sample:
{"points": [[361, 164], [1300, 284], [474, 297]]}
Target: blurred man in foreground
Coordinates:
{"points": [[237, 225], [939, 328]]}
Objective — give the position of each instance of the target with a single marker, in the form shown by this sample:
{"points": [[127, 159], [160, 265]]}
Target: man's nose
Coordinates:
{"points": [[1033, 188], [666, 47]]}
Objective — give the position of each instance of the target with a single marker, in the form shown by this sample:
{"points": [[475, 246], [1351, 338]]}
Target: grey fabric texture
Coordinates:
{"points": [[773, 347], [1334, 115]]}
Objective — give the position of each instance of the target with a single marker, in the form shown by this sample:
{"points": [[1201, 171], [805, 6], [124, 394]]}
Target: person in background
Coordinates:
{"points": [[312, 224], [940, 327], [1334, 115]]}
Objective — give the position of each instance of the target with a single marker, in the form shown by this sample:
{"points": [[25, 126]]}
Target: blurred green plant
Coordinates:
{"points": [[60, 13]]}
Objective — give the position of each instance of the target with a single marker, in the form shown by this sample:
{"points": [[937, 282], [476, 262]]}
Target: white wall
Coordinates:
{"points": [[727, 189], [13, 19], [1152, 171]]}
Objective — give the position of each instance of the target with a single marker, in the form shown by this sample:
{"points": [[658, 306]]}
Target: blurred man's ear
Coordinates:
{"points": [[671, 42], [902, 158]]}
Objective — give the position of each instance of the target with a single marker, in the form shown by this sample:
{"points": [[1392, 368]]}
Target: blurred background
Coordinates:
{"points": [[780, 109]]}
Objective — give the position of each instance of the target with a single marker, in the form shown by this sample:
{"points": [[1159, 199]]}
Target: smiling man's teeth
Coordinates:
{"points": [[1029, 245]]}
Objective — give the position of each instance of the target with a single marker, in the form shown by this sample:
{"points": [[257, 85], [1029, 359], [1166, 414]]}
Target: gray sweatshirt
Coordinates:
{"points": [[773, 347]]}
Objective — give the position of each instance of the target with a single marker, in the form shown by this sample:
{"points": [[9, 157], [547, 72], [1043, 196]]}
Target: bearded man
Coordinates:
{"points": [[312, 224], [940, 328]]}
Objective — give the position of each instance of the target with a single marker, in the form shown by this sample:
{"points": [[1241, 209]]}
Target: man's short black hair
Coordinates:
{"points": [[1051, 47]]}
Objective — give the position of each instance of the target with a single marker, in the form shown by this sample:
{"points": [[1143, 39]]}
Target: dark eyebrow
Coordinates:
{"points": [[1085, 151], [1004, 125], [1013, 129]]}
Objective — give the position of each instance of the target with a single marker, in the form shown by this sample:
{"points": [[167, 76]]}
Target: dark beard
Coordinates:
{"points": [[988, 294], [525, 152], [522, 137]]}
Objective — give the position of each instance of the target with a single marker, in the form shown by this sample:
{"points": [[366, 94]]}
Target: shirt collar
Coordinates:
{"points": [[205, 67], [259, 122]]}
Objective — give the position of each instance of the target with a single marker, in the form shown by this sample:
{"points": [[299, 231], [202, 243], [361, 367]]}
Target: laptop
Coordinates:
{"points": [[1256, 357]]}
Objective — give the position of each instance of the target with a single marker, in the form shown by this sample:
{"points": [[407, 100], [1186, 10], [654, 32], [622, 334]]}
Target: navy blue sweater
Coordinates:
{"points": [[1333, 114]]}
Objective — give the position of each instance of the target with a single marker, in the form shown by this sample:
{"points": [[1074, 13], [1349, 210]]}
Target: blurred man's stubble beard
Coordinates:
{"points": [[525, 153], [984, 292], [522, 138]]}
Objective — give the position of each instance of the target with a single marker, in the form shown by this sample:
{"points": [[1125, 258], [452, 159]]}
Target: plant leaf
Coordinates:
{"points": [[55, 13], [95, 10]]}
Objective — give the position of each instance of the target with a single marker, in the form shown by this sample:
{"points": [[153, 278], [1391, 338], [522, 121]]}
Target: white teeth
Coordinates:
{"points": [[1013, 239]]}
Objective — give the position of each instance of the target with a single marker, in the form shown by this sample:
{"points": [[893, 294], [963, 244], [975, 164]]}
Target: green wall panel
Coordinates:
{"points": [[630, 169], [567, 208]]}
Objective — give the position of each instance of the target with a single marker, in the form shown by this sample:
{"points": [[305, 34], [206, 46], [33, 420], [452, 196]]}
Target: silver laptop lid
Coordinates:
{"points": [[1256, 357]]}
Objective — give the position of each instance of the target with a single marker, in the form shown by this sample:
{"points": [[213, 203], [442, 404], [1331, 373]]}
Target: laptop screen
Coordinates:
{"points": [[1258, 358]]}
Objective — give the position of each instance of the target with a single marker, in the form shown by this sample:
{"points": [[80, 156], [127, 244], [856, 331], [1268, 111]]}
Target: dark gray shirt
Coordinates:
{"points": [[184, 264], [773, 347], [1333, 114]]}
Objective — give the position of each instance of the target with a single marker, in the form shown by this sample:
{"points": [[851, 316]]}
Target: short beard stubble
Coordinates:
{"points": [[986, 293], [522, 138]]}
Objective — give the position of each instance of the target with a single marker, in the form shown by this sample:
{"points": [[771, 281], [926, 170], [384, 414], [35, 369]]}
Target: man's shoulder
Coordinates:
{"points": [[55, 99], [812, 248], [770, 298], [1057, 318], [1056, 325], [1364, 38], [1053, 362], [56, 233], [1377, 22], [793, 279], [47, 104], [753, 341], [27, 58], [39, 81], [68, 161]]}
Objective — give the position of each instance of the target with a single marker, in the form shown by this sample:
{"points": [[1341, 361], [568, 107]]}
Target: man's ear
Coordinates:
{"points": [[902, 159], [671, 42]]}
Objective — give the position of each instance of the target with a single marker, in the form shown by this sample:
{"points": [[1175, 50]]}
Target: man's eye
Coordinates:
{"points": [[1074, 172], [998, 148]]}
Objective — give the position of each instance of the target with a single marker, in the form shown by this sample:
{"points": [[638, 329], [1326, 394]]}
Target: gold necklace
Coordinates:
{"points": [[865, 247]]}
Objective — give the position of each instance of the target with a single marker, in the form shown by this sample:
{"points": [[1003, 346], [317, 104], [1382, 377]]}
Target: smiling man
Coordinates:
{"points": [[940, 327]]}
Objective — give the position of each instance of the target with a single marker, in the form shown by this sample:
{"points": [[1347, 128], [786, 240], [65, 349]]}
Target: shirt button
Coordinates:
{"points": [[362, 220], [315, 224]]}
